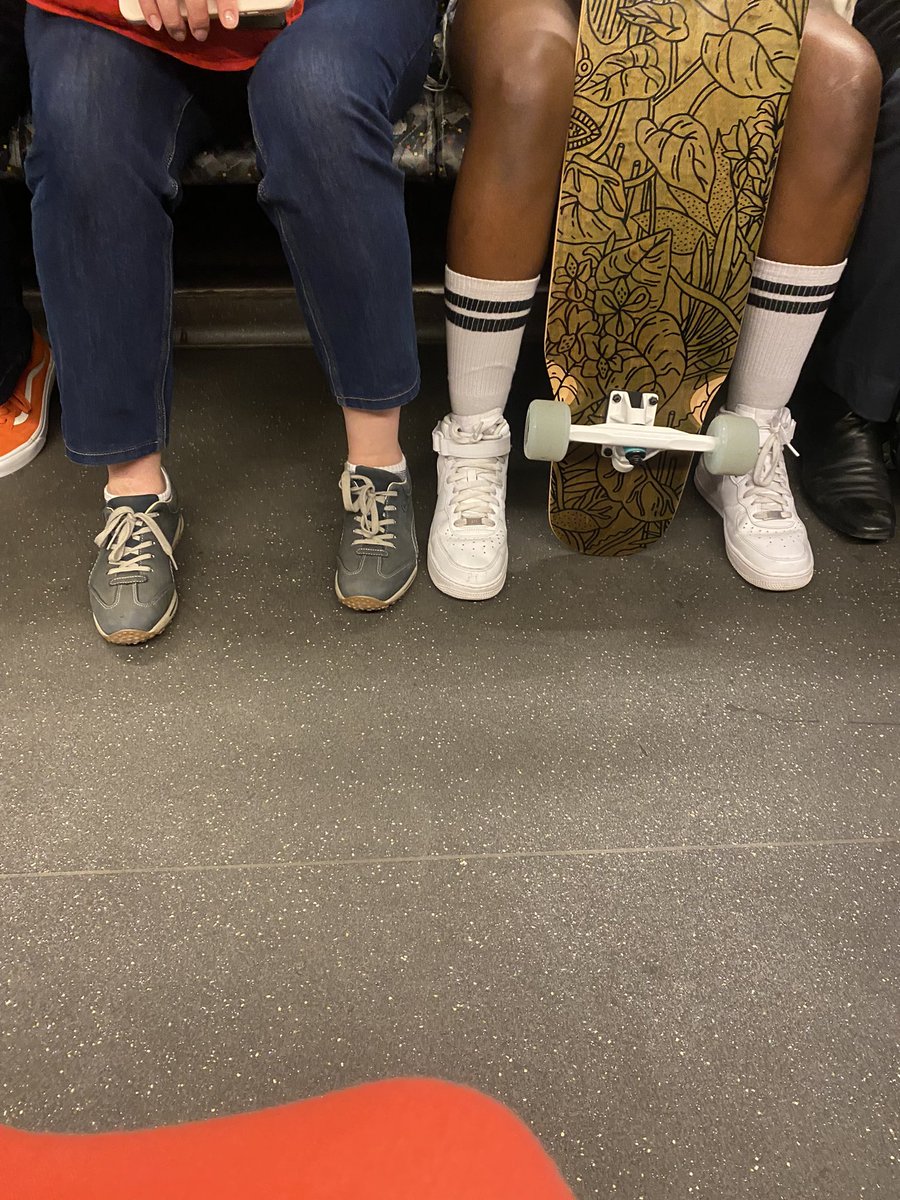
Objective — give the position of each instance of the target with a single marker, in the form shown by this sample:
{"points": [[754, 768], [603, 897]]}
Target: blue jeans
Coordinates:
{"points": [[115, 124]]}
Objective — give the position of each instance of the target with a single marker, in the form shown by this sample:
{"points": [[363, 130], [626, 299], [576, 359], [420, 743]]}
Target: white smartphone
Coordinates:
{"points": [[254, 13]]}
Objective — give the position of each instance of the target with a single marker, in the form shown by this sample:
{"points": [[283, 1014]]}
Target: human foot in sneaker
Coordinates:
{"points": [[378, 556], [132, 585], [765, 540], [467, 547], [23, 418]]}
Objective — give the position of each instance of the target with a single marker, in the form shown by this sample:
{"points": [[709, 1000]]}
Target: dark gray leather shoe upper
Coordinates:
{"points": [[378, 555], [132, 584]]}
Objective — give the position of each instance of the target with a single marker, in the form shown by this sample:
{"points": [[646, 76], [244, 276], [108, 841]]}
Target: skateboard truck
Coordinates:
{"points": [[630, 437], [633, 409]]}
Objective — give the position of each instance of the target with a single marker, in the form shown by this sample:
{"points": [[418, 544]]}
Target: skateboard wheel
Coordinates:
{"points": [[737, 447], [547, 430]]}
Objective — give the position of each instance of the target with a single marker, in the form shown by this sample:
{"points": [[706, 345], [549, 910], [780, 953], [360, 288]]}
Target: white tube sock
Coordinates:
{"points": [[786, 307], [486, 319]]}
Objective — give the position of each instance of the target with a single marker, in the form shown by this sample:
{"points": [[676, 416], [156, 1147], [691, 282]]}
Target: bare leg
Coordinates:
{"points": [[514, 60], [373, 438], [823, 172], [142, 477]]}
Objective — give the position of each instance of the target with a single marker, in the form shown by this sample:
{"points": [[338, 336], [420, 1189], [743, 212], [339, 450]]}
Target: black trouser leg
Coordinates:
{"points": [[15, 326]]}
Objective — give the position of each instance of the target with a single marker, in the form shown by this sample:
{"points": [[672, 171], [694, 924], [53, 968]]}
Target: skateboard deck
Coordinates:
{"points": [[677, 122]]}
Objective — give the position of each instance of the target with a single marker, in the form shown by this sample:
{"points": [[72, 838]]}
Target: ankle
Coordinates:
{"points": [[145, 477]]}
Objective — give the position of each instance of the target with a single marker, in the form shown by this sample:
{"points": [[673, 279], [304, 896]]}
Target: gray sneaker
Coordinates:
{"points": [[378, 558], [132, 585]]}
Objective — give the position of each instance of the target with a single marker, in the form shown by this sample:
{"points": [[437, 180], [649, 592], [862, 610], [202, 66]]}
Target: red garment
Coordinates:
{"points": [[400, 1140], [236, 50]]}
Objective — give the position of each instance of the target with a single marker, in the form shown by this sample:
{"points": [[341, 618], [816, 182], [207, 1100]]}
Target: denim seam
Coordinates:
{"points": [[311, 308], [162, 424], [120, 450], [385, 400], [427, 41]]}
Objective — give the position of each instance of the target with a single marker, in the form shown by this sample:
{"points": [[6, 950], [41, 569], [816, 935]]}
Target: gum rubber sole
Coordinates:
{"points": [[137, 637], [372, 603]]}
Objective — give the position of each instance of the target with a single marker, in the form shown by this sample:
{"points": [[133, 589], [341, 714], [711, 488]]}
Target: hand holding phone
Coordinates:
{"points": [[182, 17]]}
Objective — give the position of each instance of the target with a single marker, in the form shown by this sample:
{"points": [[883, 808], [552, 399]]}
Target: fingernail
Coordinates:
{"points": [[200, 35], [230, 19], [178, 35], [154, 23]]}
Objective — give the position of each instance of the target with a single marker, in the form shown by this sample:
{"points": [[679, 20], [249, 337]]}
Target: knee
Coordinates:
{"points": [[523, 104], [840, 79], [75, 152], [306, 95], [532, 86]]}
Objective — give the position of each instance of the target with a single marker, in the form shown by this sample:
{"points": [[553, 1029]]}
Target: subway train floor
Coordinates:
{"points": [[619, 848]]}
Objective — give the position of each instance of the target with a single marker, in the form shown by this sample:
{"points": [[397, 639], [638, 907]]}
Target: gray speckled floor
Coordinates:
{"points": [[619, 848]]}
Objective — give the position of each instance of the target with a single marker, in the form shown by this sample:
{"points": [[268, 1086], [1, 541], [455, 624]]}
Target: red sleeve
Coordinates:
{"points": [[222, 51]]}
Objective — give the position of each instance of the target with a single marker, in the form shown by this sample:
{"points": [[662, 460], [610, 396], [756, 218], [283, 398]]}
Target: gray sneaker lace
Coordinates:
{"points": [[373, 527], [127, 538], [768, 489]]}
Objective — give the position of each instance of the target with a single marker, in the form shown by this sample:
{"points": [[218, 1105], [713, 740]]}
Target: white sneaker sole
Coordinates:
{"points": [[28, 451], [752, 574], [467, 591]]}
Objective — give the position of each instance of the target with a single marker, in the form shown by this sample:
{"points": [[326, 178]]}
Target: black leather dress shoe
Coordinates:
{"points": [[843, 470]]}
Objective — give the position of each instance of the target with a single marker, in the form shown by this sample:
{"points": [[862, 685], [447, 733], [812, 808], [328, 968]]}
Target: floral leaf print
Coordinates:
{"points": [[681, 151], [757, 55], [633, 74], [665, 21]]}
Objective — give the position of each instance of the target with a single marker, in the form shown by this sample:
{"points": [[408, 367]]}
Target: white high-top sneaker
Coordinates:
{"points": [[765, 540], [467, 548]]}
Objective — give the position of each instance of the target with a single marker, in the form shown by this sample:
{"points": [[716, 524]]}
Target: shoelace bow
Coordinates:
{"points": [[476, 484], [125, 537], [768, 487], [373, 526]]}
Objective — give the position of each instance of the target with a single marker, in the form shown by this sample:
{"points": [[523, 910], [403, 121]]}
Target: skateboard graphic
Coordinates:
{"points": [[679, 110]]}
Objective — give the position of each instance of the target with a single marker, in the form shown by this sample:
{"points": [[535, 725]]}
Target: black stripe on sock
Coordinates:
{"points": [[470, 304], [798, 307], [486, 324], [793, 289]]}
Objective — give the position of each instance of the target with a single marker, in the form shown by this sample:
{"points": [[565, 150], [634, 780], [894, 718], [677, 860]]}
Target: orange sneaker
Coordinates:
{"points": [[23, 418]]}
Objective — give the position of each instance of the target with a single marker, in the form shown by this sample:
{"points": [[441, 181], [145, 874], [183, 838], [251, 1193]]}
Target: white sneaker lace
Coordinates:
{"points": [[767, 490], [126, 538], [476, 484], [373, 527]]}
